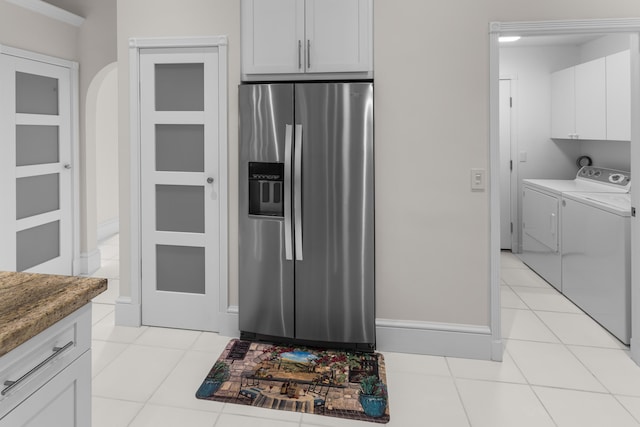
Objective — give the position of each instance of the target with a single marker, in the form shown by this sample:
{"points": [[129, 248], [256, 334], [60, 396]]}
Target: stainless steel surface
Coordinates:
{"points": [[288, 235], [56, 352], [297, 198], [328, 158], [266, 294], [335, 282]]}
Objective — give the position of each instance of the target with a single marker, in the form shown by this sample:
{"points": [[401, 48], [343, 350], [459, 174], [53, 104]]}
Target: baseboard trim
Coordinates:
{"points": [[88, 263], [228, 322], [108, 229], [401, 336], [437, 339], [127, 313]]}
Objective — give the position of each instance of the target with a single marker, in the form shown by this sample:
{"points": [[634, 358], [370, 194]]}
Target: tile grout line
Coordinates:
{"points": [[455, 384], [566, 346]]}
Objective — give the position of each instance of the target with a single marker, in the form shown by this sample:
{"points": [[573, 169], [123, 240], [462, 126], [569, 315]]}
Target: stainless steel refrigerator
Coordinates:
{"points": [[306, 213]]}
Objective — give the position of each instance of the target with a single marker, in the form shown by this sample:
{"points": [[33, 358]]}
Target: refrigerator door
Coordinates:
{"points": [[266, 291], [335, 271]]}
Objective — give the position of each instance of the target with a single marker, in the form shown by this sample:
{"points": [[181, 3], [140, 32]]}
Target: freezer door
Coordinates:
{"points": [[265, 276], [335, 251]]}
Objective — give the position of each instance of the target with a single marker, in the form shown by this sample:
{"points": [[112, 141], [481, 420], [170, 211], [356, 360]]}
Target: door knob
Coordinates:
{"points": [[67, 166], [210, 180]]}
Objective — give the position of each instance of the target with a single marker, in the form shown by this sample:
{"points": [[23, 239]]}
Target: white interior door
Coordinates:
{"points": [[180, 223], [36, 231], [505, 165]]}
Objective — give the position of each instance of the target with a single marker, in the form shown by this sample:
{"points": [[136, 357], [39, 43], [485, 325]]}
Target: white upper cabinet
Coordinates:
{"points": [[563, 104], [619, 96], [272, 36], [294, 38], [592, 100]]}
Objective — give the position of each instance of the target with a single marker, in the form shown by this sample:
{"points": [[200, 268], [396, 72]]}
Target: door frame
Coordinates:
{"points": [[129, 309], [78, 261], [533, 28], [513, 176]]}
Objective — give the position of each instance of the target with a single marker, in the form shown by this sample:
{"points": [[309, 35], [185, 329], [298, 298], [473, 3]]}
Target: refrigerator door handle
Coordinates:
{"points": [[288, 241], [297, 188]]}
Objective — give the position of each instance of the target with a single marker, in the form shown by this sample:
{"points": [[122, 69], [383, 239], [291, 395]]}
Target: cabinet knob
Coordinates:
{"points": [[210, 180]]}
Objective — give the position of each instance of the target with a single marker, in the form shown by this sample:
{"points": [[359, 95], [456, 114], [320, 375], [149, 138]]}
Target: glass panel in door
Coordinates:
{"points": [[179, 87], [37, 145], [36, 94], [37, 245]]}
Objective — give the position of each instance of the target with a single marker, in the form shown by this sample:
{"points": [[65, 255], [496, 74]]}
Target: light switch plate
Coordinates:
{"points": [[478, 179], [523, 156]]}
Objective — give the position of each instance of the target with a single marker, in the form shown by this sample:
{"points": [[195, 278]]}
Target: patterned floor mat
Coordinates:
{"points": [[334, 383]]}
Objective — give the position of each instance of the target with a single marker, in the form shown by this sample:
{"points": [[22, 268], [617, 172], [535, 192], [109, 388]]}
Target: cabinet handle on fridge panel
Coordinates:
{"points": [[308, 54], [288, 242], [553, 223], [299, 54], [297, 188]]}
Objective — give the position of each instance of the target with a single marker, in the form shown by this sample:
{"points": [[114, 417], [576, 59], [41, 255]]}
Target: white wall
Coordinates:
{"points": [[431, 127], [603, 46], [17, 29], [106, 138]]}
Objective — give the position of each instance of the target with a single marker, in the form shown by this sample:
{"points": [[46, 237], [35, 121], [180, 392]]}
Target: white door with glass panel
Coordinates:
{"points": [[179, 187], [36, 231]]}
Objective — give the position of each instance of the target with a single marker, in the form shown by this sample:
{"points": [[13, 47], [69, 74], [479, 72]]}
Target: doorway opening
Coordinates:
{"points": [[522, 158]]}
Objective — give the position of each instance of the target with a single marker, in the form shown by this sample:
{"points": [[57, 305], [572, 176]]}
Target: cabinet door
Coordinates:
{"points": [[619, 96], [338, 35], [591, 119], [63, 401], [563, 98], [272, 36]]}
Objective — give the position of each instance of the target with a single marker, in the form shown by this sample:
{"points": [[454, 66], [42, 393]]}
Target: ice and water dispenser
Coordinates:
{"points": [[266, 189]]}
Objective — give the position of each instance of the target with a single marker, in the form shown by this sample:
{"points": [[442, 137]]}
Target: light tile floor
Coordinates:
{"points": [[559, 369]]}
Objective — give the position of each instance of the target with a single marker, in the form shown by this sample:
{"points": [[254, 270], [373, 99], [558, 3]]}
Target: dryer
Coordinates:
{"points": [[596, 257], [541, 215]]}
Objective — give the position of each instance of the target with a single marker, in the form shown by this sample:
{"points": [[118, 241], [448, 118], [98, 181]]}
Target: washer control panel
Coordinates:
{"points": [[605, 176]]}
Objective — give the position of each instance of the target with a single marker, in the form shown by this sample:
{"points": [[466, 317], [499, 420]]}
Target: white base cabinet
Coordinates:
{"points": [[64, 401], [46, 381]]}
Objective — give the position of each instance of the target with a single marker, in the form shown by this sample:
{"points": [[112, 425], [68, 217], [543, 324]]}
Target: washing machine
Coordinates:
{"points": [[596, 257], [541, 215]]}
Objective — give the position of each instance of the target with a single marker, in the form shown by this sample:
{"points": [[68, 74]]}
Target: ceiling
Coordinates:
{"points": [[571, 39], [74, 6]]}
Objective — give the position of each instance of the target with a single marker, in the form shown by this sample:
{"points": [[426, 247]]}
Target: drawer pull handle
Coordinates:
{"points": [[56, 351]]}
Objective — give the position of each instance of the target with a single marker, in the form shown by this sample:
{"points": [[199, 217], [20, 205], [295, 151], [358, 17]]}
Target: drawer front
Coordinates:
{"points": [[28, 367], [65, 400]]}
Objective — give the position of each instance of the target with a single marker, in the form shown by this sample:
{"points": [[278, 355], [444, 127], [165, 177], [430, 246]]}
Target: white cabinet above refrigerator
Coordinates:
{"points": [[298, 39]]}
